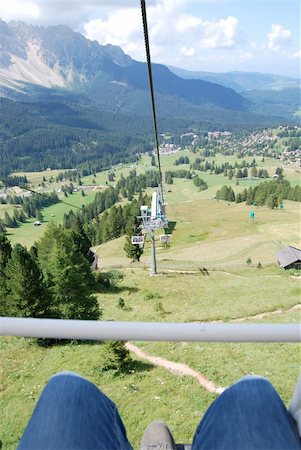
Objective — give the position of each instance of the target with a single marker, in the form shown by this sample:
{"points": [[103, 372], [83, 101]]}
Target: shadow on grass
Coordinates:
{"points": [[138, 366], [204, 271], [115, 289]]}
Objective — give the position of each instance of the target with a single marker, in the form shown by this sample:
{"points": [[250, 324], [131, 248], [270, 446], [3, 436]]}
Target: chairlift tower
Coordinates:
{"points": [[153, 219]]}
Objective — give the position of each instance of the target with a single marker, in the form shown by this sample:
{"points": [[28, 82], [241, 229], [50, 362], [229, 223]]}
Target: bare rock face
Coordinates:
{"points": [[57, 57], [51, 57]]}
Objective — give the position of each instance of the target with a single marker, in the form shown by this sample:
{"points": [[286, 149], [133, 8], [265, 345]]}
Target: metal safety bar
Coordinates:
{"points": [[149, 331]]}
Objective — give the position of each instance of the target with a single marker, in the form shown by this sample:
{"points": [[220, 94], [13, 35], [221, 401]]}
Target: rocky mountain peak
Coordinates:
{"points": [[55, 56]]}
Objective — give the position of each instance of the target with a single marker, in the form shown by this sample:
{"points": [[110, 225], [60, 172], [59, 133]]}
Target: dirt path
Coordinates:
{"points": [[183, 369], [260, 315], [268, 313], [176, 368]]}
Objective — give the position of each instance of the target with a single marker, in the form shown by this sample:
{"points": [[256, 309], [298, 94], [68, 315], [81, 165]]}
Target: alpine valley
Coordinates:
{"points": [[80, 101]]}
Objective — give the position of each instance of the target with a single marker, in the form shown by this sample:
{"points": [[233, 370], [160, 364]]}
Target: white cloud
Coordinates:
{"points": [[181, 33], [23, 10], [123, 28], [172, 31], [68, 12], [221, 34], [185, 51], [119, 28], [279, 37], [245, 56], [294, 55], [187, 22]]}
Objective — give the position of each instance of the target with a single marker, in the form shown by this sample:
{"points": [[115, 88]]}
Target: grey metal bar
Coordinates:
{"points": [[153, 254], [149, 331]]}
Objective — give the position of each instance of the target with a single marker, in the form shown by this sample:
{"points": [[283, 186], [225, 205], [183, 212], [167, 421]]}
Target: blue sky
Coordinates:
{"points": [[200, 35]]}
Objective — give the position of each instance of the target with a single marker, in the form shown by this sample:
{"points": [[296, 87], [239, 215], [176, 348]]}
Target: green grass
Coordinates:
{"points": [[214, 233], [27, 233], [182, 192], [6, 208], [221, 295], [155, 393], [151, 392], [208, 234], [35, 178]]}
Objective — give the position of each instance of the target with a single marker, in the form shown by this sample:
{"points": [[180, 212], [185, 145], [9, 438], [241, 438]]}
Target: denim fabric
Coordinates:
{"points": [[249, 415], [73, 414]]}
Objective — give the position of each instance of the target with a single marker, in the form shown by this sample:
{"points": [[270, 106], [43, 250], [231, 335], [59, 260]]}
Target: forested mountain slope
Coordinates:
{"points": [[67, 101]]}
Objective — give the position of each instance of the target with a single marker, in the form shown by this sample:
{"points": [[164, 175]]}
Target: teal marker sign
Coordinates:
{"points": [[252, 215]]}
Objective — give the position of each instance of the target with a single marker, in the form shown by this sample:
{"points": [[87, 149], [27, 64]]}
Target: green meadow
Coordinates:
{"points": [[147, 392], [182, 191], [28, 233], [206, 233]]}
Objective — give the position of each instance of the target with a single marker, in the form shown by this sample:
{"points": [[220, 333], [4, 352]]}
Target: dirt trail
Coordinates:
{"points": [[176, 368], [260, 315], [183, 369], [268, 313]]}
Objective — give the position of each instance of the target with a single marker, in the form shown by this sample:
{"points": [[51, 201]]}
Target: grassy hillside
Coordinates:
{"points": [[146, 392], [27, 233], [206, 233], [181, 192]]}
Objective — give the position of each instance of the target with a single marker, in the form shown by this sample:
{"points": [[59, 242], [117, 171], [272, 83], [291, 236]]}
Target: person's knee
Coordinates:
{"points": [[252, 378], [66, 374], [253, 387], [256, 381], [64, 378]]}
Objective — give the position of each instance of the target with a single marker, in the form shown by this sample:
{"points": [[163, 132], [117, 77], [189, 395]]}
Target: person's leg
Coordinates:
{"points": [[74, 414], [249, 415]]}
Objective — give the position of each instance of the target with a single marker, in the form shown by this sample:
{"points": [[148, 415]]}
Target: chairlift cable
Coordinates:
{"points": [[39, 193], [150, 76]]}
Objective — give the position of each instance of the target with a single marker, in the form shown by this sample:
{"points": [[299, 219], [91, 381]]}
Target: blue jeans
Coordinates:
{"points": [[249, 415], [73, 414]]}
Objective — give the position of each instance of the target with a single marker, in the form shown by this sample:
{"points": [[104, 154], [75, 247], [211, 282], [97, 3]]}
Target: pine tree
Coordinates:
{"points": [[231, 195], [116, 357], [5, 252], [2, 227], [9, 222], [272, 201], [279, 172], [239, 173], [68, 275], [39, 215], [133, 251], [238, 198], [26, 293], [81, 238]]}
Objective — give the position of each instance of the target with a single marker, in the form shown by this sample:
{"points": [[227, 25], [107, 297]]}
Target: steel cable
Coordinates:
{"points": [[150, 76]]}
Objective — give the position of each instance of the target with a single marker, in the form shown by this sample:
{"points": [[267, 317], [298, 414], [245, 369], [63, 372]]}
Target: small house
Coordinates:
{"points": [[289, 258]]}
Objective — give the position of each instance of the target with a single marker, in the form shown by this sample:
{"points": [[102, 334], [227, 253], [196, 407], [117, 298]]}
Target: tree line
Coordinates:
{"points": [[240, 170], [102, 220], [269, 193], [29, 207], [53, 279], [61, 134]]}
